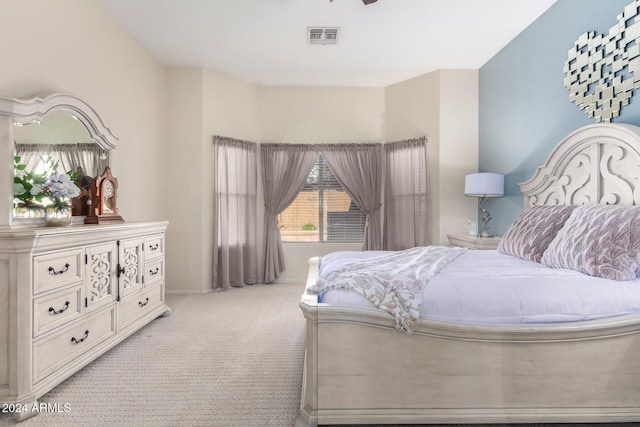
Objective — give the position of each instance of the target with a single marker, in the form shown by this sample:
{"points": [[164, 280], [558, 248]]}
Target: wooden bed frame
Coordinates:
{"points": [[360, 370]]}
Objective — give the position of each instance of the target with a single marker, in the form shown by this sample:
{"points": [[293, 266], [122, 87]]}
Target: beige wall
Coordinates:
{"points": [[82, 51], [440, 105], [443, 106], [183, 207], [201, 103], [85, 53], [458, 149], [320, 115]]}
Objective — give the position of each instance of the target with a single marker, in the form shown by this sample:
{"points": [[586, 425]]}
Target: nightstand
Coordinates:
{"points": [[473, 242]]}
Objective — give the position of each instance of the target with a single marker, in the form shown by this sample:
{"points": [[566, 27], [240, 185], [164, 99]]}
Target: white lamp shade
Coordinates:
{"points": [[484, 184]]}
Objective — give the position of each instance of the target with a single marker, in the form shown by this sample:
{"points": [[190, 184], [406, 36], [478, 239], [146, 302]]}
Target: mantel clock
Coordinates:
{"points": [[104, 193]]}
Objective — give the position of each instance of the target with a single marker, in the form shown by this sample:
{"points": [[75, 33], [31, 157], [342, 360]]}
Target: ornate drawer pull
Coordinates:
{"points": [[142, 304], [62, 310], [78, 341], [53, 270], [154, 272], [154, 247]]}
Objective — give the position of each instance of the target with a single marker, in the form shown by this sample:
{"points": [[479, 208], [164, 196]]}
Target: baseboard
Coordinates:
{"points": [[289, 281], [208, 291], [187, 291]]}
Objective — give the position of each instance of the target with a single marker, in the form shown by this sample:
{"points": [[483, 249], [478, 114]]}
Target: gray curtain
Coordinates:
{"points": [[285, 168], [406, 212], [70, 157], [235, 254], [84, 156], [358, 169], [30, 154]]}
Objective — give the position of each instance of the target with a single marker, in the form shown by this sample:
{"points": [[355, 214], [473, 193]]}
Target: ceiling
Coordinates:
{"points": [[265, 41]]}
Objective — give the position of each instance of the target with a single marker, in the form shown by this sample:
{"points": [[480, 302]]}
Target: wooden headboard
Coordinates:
{"points": [[595, 164]]}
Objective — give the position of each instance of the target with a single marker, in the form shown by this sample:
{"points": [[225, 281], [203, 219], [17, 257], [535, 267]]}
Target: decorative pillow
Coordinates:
{"points": [[598, 240], [533, 230]]}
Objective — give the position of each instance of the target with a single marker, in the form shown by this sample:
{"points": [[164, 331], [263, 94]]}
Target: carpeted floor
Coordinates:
{"points": [[231, 358]]}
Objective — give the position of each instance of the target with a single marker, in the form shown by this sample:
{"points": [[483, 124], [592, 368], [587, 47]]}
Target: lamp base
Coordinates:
{"points": [[486, 217]]}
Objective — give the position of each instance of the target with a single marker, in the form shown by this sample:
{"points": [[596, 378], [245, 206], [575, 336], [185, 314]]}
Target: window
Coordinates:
{"points": [[322, 211]]}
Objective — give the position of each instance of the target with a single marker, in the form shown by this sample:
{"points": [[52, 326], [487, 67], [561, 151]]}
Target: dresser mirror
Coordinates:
{"points": [[58, 129]]}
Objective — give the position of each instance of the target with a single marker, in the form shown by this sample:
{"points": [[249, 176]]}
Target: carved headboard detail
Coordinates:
{"points": [[596, 164]]}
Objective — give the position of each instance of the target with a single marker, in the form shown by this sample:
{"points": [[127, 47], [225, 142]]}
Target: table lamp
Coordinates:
{"points": [[483, 185]]}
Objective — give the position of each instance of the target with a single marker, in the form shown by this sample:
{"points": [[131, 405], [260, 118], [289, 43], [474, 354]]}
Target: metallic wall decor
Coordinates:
{"points": [[602, 71]]}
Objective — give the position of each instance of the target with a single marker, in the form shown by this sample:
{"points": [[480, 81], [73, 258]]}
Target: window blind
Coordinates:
{"points": [[322, 211]]}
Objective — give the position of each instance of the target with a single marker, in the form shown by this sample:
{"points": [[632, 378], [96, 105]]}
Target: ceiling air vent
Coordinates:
{"points": [[318, 35]]}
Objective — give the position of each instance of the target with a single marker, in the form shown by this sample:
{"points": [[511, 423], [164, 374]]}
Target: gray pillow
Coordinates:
{"points": [[531, 233], [598, 240]]}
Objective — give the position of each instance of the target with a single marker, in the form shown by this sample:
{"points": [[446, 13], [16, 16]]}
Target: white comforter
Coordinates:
{"points": [[487, 287], [392, 282]]}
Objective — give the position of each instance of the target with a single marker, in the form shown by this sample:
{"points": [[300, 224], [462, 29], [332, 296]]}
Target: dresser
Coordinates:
{"points": [[69, 294]]}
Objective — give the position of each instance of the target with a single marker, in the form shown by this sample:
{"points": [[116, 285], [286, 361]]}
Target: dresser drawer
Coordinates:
{"points": [[58, 269], [153, 271], [153, 247], [62, 347], [142, 302], [57, 309]]}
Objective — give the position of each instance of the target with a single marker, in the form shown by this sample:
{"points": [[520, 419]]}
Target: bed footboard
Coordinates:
{"points": [[359, 369], [309, 395]]}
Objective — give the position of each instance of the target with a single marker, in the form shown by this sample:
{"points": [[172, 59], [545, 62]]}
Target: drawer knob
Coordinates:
{"points": [[154, 272], [74, 340], [62, 310], [143, 303], [154, 247], [64, 269]]}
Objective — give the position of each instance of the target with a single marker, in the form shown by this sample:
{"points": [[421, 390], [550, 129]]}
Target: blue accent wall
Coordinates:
{"points": [[524, 108]]}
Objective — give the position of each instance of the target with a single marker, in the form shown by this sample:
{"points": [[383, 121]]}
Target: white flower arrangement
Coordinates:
{"points": [[18, 189], [58, 187]]}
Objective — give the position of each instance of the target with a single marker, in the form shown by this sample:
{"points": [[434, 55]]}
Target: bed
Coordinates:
{"points": [[462, 363]]}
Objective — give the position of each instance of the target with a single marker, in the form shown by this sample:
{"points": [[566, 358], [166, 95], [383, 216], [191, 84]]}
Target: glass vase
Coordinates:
{"points": [[57, 216], [28, 210], [20, 211]]}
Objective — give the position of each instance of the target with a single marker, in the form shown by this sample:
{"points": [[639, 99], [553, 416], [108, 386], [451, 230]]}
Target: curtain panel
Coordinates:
{"points": [[358, 169], [235, 254], [84, 156], [285, 168], [30, 154], [70, 157], [406, 212]]}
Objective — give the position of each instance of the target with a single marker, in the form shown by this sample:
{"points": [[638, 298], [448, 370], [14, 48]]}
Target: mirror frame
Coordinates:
{"points": [[19, 111]]}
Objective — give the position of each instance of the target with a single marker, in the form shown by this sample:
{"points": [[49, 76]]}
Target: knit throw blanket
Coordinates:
{"points": [[392, 282]]}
